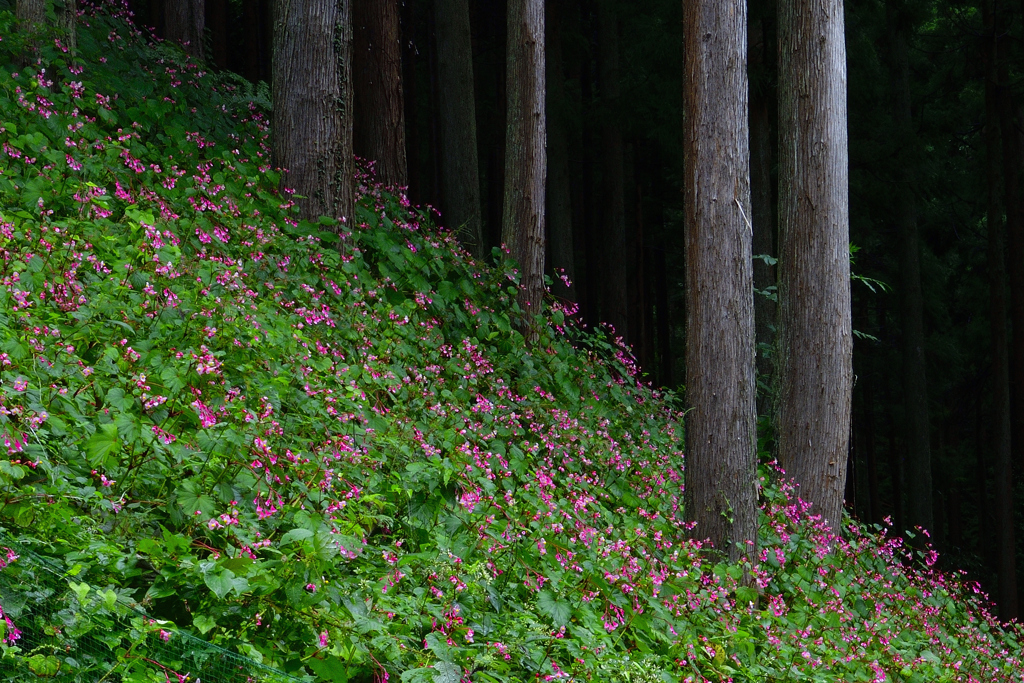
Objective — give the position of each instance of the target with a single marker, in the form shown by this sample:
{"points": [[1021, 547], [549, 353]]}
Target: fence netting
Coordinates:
{"points": [[55, 627]]}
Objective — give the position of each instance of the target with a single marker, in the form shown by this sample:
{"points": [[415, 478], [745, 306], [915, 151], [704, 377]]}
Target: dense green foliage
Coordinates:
{"points": [[341, 459]]}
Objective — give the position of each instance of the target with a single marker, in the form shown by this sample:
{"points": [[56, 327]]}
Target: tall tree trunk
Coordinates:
{"points": [[460, 201], [917, 421], [816, 344], [721, 484], [523, 229], [313, 105], [379, 126], [559, 196], [1000, 359], [762, 212], [613, 217], [67, 20], [31, 14], [184, 23]]}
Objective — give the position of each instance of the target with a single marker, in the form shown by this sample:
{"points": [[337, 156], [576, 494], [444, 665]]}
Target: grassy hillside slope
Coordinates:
{"points": [[346, 463]]}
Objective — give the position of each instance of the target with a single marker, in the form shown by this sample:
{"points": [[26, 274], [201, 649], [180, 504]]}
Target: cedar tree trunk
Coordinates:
{"points": [[721, 482], [313, 105], [522, 228], [815, 339], [184, 23]]}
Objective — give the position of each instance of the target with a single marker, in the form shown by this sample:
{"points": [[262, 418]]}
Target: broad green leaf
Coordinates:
{"points": [[559, 610], [297, 534], [80, 589], [220, 582], [102, 445], [447, 673], [204, 624]]}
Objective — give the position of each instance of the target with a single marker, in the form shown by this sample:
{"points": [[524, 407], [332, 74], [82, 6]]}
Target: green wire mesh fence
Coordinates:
{"points": [[55, 628]]}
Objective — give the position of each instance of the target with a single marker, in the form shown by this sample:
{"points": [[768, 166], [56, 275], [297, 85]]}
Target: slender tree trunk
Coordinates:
{"points": [[1000, 360], [816, 344], [721, 484], [184, 23], [379, 126], [559, 195], [523, 230], [313, 105], [460, 204], [613, 219], [915, 386]]}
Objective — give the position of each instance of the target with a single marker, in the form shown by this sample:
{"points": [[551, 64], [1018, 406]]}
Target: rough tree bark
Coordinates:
{"points": [[523, 229], [460, 201], [1006, 554], [31, 14], [67, 20], [184, 23], [721, 483], [917, 422], [815, 338], [614, 295], [379, 126], [313, 105]]}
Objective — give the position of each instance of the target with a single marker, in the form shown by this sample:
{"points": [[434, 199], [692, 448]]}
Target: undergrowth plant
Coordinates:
{"points": [[338, 457]]}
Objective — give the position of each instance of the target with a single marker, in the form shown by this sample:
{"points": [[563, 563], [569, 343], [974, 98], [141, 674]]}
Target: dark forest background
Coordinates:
{"points": [[934, 86]]}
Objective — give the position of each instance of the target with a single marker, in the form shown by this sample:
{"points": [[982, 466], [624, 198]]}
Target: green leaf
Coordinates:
{"points": [[559, 610], [44, 666], [745, 595], [102, 445], [447, 673], [295, 535], [116, 398], [204, 624], [220, 582], [80, 589], [330, 669]]}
